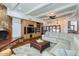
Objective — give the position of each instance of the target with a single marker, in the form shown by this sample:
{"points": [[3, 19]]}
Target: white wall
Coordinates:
{"points": [[16, 28]]}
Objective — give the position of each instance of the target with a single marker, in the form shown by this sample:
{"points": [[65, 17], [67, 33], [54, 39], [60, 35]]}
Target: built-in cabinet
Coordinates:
{"points": [[31, 29]]}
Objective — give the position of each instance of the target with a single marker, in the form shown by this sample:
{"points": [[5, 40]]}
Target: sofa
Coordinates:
{"points": [[56, 37], [64, 43]]}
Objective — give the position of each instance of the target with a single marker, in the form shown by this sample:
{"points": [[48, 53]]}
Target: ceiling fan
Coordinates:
{"points": [[50, 16]]}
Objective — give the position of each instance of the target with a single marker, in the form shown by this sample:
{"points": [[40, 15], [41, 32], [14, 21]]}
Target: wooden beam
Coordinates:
{"points": [[65, 13], [56, 10], [37, 7]]}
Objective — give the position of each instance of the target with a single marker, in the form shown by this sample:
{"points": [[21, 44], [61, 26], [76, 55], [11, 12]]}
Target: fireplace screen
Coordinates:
{"points": [[3, 35]]}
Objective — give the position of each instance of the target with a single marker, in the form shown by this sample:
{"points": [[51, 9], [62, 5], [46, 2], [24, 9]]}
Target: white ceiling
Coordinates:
{"points": [[40, 10]]}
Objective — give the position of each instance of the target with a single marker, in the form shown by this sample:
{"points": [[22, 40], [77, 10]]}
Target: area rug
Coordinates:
{"points": [[26, 50]]}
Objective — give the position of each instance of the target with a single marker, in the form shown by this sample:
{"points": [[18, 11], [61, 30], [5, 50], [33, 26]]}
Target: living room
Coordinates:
{"points": [[42, 29]]}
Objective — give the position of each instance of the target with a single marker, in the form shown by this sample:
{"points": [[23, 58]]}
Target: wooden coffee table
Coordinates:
{"points": [[40, 45]]}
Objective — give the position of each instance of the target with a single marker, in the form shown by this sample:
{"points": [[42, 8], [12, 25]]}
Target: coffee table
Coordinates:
{"points": [[40, 45]]}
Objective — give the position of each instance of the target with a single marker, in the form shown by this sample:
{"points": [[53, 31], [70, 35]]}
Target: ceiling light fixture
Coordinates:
{"points": [[52, 15]]}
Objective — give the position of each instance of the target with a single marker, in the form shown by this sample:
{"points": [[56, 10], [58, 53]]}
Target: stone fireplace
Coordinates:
{"points": [[5, 32]]}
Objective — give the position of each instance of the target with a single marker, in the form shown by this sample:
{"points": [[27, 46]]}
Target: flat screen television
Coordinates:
{"points": [[30, 30]]}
